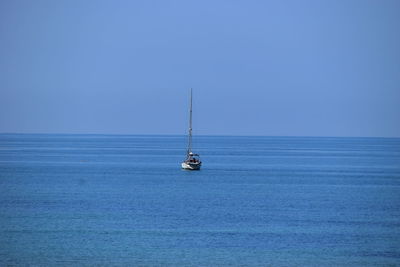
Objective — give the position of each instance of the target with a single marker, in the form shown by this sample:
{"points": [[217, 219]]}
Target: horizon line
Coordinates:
{"points": [[217, 135]]}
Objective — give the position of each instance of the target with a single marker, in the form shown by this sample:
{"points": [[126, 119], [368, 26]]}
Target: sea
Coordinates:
{"points": [[123, 200]]}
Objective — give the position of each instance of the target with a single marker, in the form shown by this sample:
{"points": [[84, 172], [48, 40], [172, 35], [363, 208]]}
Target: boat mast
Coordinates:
{"points": [[190, 125]]}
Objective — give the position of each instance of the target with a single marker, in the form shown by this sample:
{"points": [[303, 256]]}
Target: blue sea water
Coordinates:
{"points": [[123, 200]]}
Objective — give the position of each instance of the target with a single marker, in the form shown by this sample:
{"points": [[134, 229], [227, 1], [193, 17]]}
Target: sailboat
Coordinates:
{"points": [[192, 160]]}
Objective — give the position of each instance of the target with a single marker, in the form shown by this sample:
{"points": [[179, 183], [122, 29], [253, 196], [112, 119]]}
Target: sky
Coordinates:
{"points": [[291, 68]]}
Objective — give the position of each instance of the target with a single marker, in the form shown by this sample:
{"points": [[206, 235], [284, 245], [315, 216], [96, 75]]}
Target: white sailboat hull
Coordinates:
{"points": [[191, 166]]}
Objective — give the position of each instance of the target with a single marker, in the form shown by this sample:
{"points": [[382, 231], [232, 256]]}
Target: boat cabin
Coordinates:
{"points": [[193, 158]]}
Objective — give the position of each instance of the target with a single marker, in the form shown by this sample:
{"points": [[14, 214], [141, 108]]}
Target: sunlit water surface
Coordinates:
{"points": [[123, 200]]}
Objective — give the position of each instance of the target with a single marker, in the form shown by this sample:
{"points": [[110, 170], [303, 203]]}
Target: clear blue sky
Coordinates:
{"points": [[300, 68]]}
